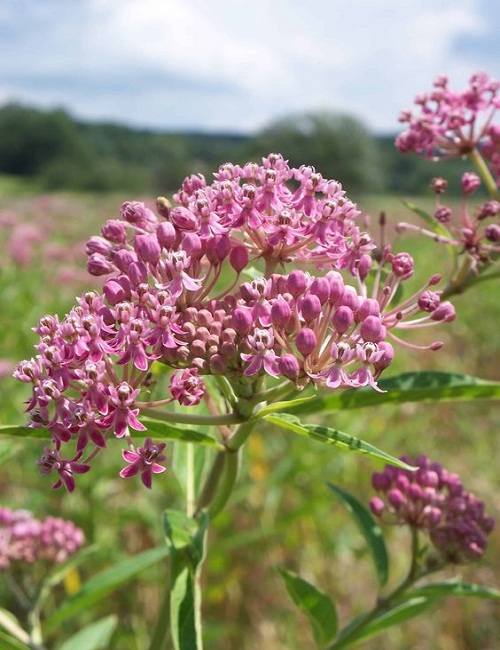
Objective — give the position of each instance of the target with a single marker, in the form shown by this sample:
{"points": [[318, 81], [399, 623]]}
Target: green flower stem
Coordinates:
{"points": [[346, 635], [274, 393], [484, 171], [458, 280], [222, 477], [187, 418]]}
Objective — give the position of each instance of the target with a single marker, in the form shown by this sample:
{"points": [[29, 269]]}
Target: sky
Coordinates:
{"points": [[236, 65]]}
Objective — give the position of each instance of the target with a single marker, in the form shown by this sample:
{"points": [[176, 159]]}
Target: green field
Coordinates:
{"points": [[282, 513]]}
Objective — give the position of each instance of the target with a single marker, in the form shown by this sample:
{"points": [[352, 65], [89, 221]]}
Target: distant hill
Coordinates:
{"points": [[60, 152]]}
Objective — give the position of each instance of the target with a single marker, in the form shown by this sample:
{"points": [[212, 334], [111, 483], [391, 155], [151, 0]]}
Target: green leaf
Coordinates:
{"points": [[409, 387], [435, 225], [315, 604], [399, 614], [333, 437], [95, 636], [158, 429], [9, 643], [454, 588], [18, 431], [282, 406], [370, 530], [166, 431], [105, 583], [186, 538], [11, 625]]}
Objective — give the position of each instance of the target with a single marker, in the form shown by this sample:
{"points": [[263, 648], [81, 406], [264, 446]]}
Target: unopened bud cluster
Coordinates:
{"points": [[435, 501], [178, 293], [24, 539]]}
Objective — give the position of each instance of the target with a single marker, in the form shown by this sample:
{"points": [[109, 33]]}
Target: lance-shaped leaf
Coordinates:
{"points": [[103, 583], [158, 429], [315, 604], [330, 436], [399, 614], [186, 538], [11, 625], [95, 636], [409, 387], [435, 225], [282, 406], [454, 588], [370, 530], [9, 643]]}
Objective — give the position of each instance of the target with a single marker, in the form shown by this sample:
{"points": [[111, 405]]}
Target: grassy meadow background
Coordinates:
{"points": [[281, 514]]}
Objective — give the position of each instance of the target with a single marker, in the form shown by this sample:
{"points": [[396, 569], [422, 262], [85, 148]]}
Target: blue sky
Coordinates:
{"points": [[236, 65]]}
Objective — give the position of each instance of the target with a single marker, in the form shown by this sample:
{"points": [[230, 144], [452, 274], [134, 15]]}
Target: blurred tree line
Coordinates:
{"points": [[59, 152]]}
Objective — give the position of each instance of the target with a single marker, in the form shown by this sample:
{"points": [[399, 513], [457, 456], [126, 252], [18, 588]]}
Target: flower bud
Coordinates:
{"points": [[305, 341]]}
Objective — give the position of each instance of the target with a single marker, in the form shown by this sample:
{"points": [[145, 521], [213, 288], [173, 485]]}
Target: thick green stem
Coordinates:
{"points": [[484, 171], [350, 632], [222, 477], [457, 282]]}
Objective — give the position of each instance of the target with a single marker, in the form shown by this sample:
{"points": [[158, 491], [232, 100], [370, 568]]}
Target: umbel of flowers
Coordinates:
{"points": [[24, 539], [434, 501], [183, 291]]}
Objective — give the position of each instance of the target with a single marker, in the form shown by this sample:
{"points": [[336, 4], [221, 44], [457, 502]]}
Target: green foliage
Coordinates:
{"points": [[331, 436], [104, 583], [426, 386], [315, 604], [370, 530], [95, 636], [186, 539]]}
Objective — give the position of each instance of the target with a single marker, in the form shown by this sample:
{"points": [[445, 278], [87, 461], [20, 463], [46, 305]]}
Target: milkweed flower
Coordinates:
{"points": [[175, 295], [449, 124], [26, 540], [434, 501]]}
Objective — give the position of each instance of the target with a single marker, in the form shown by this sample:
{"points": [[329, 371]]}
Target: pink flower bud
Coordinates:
{"points": [[443, 214], [297, 282], [470, 182], [492, 233], [372, 329], [183, 219], [238, 258], [114, 231], [305, 341], [402, 265], [280, 312], [429, 301], [191, 243], [320, 287], [166, 234], [438, 185], [289, 366], [445, 312], [242, 320], [377, 506], [310, 308], [147, 248], [98, 265], [343, 319]]}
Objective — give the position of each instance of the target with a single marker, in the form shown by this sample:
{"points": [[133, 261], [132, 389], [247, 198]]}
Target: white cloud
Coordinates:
{"points": [[232, 64]]}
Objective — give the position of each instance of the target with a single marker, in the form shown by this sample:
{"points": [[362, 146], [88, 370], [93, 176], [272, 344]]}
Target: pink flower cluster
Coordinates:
{"points": [[435, 501], [175, 295], [24, 539], [451, 124]]}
